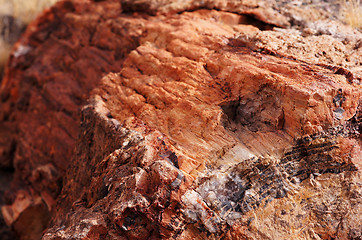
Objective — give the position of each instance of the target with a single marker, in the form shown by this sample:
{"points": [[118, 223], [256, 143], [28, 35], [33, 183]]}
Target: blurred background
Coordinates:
{"points": [[14, 16]]}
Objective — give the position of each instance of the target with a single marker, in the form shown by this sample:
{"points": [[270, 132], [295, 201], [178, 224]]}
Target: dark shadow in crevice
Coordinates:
{"points": [[249, 19], [245, 18], [6, 176], [262, 112]]}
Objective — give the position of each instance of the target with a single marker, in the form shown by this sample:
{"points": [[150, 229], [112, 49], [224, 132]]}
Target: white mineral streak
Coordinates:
{"points": [[21, 50], [196, 209]]}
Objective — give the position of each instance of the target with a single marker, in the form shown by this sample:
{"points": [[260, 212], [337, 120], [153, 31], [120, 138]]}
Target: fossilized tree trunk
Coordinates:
{"points": [[166, 119]]}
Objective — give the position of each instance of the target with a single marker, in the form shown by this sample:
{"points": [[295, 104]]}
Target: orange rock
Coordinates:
{"points": [[206, 123]]}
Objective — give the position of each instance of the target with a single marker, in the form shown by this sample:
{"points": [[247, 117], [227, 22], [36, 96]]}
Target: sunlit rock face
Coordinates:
{"points": [[172, 121]]}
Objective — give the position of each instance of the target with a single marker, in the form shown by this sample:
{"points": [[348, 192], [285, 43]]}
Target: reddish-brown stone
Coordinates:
{"points": [[194, 124]]}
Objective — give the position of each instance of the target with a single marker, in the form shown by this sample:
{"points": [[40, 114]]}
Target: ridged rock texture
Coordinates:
{"points": [[183, 120]]}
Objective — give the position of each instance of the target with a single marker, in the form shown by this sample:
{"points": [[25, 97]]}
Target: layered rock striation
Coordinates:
{"points": [[167, 119]]}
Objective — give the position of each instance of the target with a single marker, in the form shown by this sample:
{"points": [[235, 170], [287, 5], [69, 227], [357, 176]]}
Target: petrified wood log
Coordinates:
{"points": [[189, 120]]}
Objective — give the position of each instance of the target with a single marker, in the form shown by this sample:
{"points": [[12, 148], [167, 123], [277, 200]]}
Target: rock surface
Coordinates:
{"points": [[197, 120]]}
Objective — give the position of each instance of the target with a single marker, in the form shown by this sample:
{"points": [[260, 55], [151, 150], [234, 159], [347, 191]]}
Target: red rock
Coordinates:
{"points": [[208, 127]]}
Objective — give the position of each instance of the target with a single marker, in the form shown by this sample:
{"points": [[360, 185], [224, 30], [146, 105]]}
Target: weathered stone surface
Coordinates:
{"points": [[46, 81], [212, 125]]}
